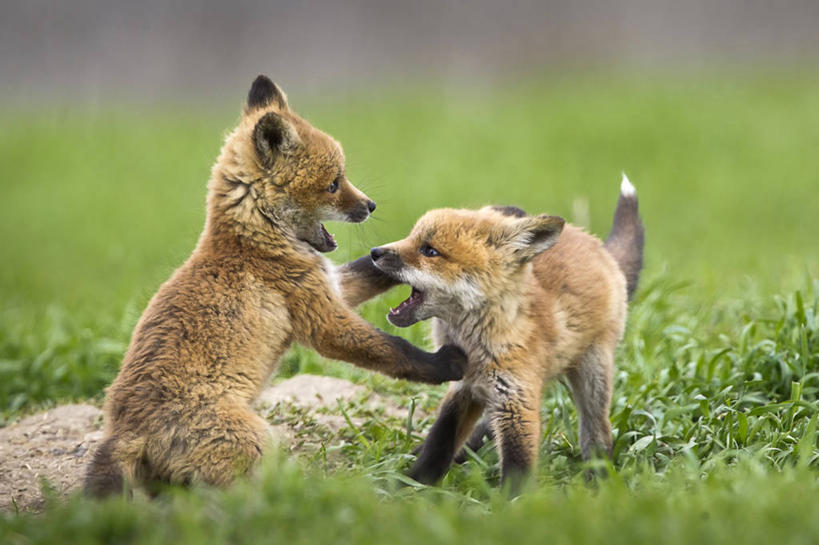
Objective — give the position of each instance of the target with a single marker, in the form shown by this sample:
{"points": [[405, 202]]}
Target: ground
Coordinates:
{"points": [[716, 395], [55, 445], [53, 448]]}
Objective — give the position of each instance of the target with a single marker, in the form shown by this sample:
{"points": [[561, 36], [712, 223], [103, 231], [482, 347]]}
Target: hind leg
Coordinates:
{"points": [[213, 445], [234, 449], [591, 381], [480, 435], [458, 414]]}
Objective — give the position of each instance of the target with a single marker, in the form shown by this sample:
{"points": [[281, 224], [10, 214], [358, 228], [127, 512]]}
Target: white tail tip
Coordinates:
{"points": [[626, 188]]}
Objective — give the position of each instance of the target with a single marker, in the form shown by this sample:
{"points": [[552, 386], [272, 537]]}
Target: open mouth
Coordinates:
{"points": [[404, 314], [325, 242], [329, 240]]}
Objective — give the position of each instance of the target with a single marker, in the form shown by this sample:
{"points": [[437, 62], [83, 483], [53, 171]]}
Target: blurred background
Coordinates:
{"points": [[113, 112], [92, 51]]}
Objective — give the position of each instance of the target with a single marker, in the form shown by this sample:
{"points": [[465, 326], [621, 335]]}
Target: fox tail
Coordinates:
{"points": [[627, 237]]}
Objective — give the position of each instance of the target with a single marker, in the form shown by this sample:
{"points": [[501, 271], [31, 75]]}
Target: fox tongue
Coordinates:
{"points": [[415, 298]]}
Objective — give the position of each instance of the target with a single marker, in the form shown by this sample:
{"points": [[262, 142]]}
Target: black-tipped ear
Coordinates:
{"points": [[509, 211], [528, 237], [274, 136], [263, 93]]}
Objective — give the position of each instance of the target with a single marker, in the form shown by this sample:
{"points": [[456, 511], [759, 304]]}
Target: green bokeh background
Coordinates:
{"points": [[99, 206], [715, 399]]}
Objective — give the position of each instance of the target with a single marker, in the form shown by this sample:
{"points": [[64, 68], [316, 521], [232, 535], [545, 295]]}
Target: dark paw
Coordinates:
{"points": [[420, 470], [424, 475], [452, 362]]}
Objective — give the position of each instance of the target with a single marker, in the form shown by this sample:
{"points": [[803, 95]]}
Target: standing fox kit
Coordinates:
{"points": [[528, 298], [180, 409]]}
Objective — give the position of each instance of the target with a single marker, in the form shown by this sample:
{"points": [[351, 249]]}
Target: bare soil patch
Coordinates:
{"points": [[55, 446]]}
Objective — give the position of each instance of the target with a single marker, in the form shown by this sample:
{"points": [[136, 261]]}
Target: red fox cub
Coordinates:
{"points": [[180, 409], [523, 315]]}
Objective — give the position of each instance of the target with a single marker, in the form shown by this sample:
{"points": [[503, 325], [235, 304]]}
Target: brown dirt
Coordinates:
{"points": [[55, 446]]}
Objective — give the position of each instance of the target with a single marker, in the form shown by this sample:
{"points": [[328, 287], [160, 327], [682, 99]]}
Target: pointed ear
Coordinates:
{"points": [[274, 136], [528, 237], [263, 92], [509, 211]]}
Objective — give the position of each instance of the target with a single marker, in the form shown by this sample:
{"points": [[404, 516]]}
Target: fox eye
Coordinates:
{"points": [[333, 186], [429, 251]]}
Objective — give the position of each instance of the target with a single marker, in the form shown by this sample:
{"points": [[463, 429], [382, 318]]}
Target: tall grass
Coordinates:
{"points": [[715, 403]]}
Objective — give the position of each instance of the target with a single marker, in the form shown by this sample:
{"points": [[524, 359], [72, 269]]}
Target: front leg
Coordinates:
{"points": [[329, 326], [514, 418], [457, 416], [361, 280]]}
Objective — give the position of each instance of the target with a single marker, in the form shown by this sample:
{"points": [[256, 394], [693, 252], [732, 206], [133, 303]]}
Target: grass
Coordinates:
{"points": [[289, 505], [715, 404]]}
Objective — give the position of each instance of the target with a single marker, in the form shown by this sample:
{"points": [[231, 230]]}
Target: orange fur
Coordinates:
{"points": [[528, 299], [179, 409]]}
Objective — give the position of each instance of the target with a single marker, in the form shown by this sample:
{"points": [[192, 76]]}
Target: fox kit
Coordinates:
{"points": [[180, 409], [523, 315]]}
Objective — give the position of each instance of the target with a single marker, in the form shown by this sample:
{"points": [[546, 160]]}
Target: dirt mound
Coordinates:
{"points": [[311, 391], [325, 393], [308, 411], [53, 445], [56, 445]]}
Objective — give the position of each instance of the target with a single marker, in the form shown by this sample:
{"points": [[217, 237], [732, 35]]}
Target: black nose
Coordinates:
{"points": [[371, 206], [377, 253]]}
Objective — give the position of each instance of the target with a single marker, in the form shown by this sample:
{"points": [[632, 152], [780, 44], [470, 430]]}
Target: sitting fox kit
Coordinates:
{"points": [[528, 298], [179, 410]]}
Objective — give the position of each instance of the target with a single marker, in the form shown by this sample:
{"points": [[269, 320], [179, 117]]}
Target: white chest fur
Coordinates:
{"points": [[333, 277]]}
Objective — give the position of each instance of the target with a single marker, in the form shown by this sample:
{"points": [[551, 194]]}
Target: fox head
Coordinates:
{"points": [[276, 171], [458, 261]]}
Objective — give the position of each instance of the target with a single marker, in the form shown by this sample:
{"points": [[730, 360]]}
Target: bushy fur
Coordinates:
{"points": [[180, 409], [528, 299]]}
